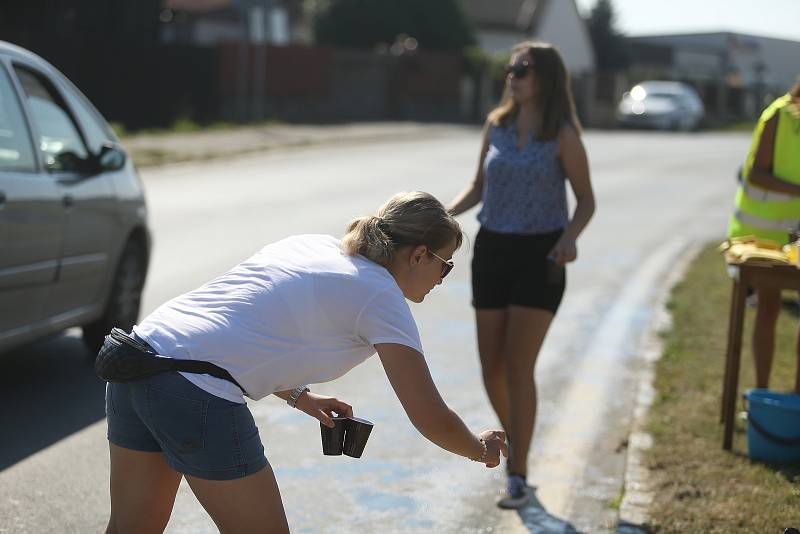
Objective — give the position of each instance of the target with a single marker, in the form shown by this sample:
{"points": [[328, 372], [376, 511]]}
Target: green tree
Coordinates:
{"points": [[610, 46], [437, 25]]}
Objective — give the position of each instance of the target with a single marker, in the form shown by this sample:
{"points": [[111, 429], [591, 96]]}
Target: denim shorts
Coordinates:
{"points": [[200, 434]]}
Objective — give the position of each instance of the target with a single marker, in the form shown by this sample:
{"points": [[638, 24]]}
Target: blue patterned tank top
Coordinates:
{"points": [[524, 190]]}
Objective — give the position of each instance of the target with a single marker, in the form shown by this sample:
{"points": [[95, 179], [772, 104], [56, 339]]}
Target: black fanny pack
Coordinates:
{"points": [[123, 358]]}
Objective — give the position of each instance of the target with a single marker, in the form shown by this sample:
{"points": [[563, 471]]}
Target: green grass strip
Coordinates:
{"points": [[699, 487]]}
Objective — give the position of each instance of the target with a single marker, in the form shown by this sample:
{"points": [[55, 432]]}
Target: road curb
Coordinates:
{"points": [[166, 149], [638, 492]]}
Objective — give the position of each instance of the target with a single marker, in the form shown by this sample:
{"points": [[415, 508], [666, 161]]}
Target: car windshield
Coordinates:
{"points": [[667, 96]]}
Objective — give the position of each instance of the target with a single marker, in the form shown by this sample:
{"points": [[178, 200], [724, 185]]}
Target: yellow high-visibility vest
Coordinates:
{"points": [[761, 212]]}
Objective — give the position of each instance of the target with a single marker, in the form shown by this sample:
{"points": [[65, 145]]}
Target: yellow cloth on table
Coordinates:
{"points": [[750, 249]]}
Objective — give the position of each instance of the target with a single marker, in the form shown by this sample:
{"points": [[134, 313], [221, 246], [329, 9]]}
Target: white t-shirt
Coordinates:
{"points": [[298, 312]]}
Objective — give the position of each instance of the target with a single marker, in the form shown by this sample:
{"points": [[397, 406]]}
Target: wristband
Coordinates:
{"points": [[482, 457], [295, 395]]}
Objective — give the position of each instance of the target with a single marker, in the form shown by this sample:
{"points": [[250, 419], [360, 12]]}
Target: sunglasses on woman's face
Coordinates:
{"points": [[519, 69], [447, 265]]}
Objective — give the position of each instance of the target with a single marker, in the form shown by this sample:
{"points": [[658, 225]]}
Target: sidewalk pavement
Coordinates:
{"points": [[161, 148]]}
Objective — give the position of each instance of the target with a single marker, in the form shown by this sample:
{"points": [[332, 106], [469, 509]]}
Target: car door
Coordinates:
{"points": [[31, 220], [90, 207]]}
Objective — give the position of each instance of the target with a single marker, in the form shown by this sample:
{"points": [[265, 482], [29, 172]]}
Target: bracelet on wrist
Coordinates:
{"points": [[482, 457], [294, 396]]}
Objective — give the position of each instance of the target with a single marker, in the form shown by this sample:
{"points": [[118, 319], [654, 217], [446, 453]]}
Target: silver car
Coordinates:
{"points": [[74, 240], [661, 105]]}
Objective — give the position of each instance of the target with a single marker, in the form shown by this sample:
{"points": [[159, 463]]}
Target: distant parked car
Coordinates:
{"points": [[661, 105], [74, 240]]}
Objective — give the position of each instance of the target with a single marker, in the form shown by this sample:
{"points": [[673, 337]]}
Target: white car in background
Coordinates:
{"points": [[661, 105]]}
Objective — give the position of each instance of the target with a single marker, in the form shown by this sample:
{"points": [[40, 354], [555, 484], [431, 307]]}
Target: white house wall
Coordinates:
{"points": [[499, 42], [563, 27]]}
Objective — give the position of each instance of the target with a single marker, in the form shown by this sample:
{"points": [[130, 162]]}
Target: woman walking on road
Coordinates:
{"points": [[531, 148], [768, 207], [303, 310]]}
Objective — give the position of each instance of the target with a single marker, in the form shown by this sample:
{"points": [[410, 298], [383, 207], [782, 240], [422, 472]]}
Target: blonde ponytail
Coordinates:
{"points": [[406, 219], [364, 236]]}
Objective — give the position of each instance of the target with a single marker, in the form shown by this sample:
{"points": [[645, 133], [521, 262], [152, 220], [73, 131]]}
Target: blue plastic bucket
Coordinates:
{"points": [[773, 426]]}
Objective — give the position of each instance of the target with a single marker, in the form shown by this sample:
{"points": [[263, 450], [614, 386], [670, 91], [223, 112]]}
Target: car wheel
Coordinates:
{"points": [[122, 308]]}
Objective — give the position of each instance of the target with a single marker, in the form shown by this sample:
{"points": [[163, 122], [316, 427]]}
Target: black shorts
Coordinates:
{"points": [[513, 270]]}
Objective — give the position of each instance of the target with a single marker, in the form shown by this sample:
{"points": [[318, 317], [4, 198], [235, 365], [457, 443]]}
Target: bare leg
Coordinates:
{"points": [[769, 306], [143, 489], [491, 347], [249, 504], [527, 328]]}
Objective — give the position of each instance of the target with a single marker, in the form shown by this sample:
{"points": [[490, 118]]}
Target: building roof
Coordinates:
{"points": [[734, 38]]}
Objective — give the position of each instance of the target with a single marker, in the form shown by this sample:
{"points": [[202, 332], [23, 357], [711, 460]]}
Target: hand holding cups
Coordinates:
{"points": [[333, 438], [349, 436]]}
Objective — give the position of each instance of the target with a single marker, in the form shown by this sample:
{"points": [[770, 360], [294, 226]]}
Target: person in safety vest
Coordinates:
{"points": [[768, 207]]}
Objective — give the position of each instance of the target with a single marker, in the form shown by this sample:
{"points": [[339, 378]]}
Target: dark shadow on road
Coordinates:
{"points": [[537, 519], [48, 391]]}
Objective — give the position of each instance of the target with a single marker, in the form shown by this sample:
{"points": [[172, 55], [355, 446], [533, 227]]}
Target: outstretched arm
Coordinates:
{"points": [[471, 194], [409, 375]]}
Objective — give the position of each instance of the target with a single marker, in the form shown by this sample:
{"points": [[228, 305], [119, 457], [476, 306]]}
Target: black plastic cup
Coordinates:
{"points": [[333, 438], [356, 436]]}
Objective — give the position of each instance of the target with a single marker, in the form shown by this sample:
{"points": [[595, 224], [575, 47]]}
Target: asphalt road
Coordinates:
{"points": [[657, 195]]}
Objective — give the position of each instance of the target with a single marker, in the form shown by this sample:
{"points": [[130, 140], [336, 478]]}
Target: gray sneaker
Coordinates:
{"points": [[516, 493]]}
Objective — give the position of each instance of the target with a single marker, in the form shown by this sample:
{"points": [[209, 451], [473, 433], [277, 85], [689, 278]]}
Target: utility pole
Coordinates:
{"points": [[257, 16], [242, 71]]}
